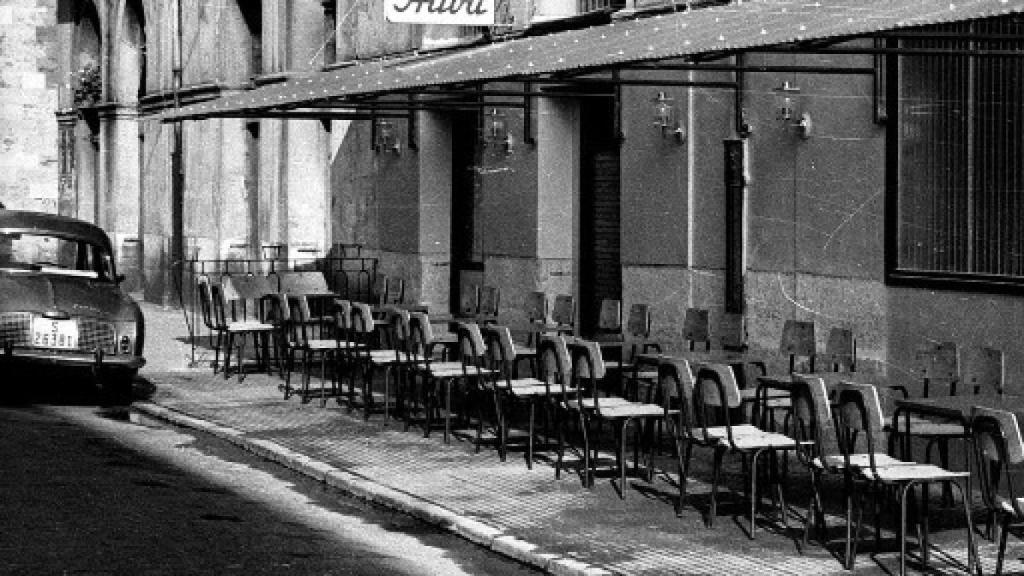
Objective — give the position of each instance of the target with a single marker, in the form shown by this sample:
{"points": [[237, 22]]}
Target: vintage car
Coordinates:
{"points": [[61, 302]]}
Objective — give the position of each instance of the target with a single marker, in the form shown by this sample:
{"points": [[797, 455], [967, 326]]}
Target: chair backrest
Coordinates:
{"points": [[342, 315], [299, 313], [362, 320], [471, 340], [812, 416], [675, 382], [715, 394], [380, 289], [471, 347], [983, 370], [938, 364], [469, 300], [798, 342], [401, 331], [588, 362], [696, 328], [731, 331], [421, 335], [609, 320], [499, 353], [638, 323], [841, 350], [205, 290], [556, 365], [998, 448], [537, 306], [218, 306], [490, 300], [716, 382], [395, 291], [860, 417], [564, 312]]}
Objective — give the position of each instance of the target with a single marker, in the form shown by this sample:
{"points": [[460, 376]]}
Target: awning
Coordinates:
{"points": [[690, 35]]}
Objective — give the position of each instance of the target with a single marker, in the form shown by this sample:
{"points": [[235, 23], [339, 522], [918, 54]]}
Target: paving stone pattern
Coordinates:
{"points": [[638, 535]]}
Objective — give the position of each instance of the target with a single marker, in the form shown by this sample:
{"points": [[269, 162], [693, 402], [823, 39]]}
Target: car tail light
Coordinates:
{"points": [[125, 345]]}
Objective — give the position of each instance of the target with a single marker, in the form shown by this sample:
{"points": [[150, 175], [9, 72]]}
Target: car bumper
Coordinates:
{"points": [[72, 359]]}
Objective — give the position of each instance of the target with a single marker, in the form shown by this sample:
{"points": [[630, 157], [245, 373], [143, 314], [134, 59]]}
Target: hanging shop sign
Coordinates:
{"points": [[461, 12]]}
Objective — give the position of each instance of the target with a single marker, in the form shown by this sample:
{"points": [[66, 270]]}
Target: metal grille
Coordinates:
{"points": [[94, 334], [16, 328], [961, 188]]}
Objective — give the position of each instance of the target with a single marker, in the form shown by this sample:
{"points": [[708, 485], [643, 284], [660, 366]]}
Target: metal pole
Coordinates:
{"points": [[178, 181]]}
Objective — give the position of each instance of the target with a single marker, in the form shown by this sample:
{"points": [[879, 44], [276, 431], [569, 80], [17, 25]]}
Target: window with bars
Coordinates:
{"points": [[956, 153]]}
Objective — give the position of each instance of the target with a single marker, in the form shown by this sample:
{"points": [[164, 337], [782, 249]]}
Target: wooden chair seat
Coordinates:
{"points": [[632, 410]]}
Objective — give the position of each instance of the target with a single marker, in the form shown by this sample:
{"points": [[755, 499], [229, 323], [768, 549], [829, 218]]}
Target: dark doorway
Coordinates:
{"points": [[600, 267], [467, 261]]}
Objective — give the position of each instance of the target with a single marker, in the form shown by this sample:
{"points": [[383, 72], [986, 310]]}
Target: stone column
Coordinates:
{"points": [[307, 208], [558, 162], [435, 209], [121, 187]]}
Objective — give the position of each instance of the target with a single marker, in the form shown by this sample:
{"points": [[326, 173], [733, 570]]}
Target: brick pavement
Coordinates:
{"points": [[555, 524]]}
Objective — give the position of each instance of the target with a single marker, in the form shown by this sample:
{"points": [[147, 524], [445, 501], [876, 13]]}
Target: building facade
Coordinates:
{"points": [[862, 187]]}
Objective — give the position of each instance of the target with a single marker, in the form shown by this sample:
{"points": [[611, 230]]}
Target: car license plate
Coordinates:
{"points": [[47, 333]]}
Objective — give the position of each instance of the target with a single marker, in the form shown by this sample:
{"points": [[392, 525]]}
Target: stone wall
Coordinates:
{"points": [[29, 82]]}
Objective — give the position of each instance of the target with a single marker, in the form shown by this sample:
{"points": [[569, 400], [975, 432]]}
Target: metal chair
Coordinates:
{"points": [[436, 378], [609, 321], [509, 388], [817, 448], [1000, 454], [372, 354], [860, 430], [301, 337], [716, 394], [563, 314], [477, 376], [237, 329], [488, 305], [592, 405]]}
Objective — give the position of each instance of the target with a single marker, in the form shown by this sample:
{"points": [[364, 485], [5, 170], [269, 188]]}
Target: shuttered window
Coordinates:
{"points": [[959, 164]]}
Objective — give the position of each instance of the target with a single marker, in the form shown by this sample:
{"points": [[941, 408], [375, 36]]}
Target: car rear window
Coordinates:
{"points": [[54, 255]]}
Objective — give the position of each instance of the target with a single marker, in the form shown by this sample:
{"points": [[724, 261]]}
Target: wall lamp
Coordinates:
{"points": [[387, 138], [665, 118], [789, 104], [496, 131]]}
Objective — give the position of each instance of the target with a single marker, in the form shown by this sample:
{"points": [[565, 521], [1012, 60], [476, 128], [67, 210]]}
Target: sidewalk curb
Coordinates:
{"points": [[360, 487]]}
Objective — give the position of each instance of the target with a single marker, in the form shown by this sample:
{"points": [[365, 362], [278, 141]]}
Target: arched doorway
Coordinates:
{"points": [[86, 91]]}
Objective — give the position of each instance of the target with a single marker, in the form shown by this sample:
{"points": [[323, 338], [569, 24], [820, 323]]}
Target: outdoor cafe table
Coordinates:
{"points": [[951, 408]]}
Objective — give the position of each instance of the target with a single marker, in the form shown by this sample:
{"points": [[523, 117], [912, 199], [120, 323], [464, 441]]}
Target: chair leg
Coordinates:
{"points": [[904, 493], [529, 439], [216, 350], [227, 354], [288, 374], [622, 458], [323, 379], [684, 449], [753, 493], [1003, 532], [852, 537], [241, 356], [561, 442], [588, 462], [447, 409], [716, 474]]}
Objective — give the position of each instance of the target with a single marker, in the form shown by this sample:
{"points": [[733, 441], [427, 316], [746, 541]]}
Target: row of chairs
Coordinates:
{"points": [[569, 386]]}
